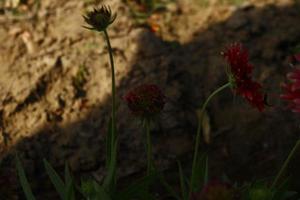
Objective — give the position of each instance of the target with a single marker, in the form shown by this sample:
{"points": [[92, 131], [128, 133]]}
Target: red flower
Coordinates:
{"points": [[295, 59], [240, 75], [145, 101], [292, 90], [216, 190]]}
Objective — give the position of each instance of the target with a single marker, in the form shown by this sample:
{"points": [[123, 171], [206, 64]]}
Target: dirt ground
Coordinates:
{"points": [[55, 87]]}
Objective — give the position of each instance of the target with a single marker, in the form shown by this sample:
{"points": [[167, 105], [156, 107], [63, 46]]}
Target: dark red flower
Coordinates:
{"points": [[216, 190], [292, 90], [240, 72], [295, 59], [145, 101]]}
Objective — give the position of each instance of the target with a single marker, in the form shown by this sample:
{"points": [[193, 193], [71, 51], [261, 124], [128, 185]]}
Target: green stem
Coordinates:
{"points": [[148, 148], [113, 91], [199, 131], [113, 88], [285, 164]]}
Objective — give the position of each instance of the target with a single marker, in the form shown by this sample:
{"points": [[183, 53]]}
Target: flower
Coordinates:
{"points": [[240, 72], [145, 101], [292, 90], [215, 190], [295, 59], [100, 18]]}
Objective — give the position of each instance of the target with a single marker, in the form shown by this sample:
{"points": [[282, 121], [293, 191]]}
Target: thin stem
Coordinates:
{"points": [[113, 115], [199, 130], [285, 164], [148, 147], [113, 89]]}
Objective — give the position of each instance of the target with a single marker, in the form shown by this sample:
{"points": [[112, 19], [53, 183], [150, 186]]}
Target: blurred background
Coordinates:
{"points": [[55, 86]]}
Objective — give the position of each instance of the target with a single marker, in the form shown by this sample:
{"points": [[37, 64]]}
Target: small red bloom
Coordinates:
{"points": [[240, 75], [292, 90], [216, 190], [295, 59], [145, 101]]}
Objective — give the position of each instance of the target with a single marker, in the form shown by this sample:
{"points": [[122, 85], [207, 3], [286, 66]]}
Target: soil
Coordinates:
{"points": [[55, 88]]}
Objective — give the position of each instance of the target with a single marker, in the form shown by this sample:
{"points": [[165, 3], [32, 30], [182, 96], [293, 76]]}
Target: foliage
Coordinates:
{"points": [[149, 100]]}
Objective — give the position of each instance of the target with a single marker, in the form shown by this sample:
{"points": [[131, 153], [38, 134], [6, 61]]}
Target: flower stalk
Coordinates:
{"points": [[113, 88], [285, 164], [146, 102], [99, 20], [198, 134], [148, 148]]}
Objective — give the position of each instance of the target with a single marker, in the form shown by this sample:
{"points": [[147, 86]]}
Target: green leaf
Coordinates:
{"points": [[55, 179], [139, 189], [70, 192], [184, 191], [68, 176], [24, 182], [108, 143], [200, 175], [101, 192], [87, 189], [169, 189], [108, 183]]}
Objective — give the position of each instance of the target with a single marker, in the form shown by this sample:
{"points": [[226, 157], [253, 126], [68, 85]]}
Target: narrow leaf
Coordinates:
{"points": [[68, 176], [55, 179], [101, 192], [138, 188], [200, 175], [184, 190], [70, 192], [169, 189], [110, 177], [108, 143], [24, 182]]}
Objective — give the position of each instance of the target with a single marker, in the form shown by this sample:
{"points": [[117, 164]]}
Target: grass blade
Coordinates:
{"points": [[70, 192], [200, 175], [138, 189], [110, 177], [24, 182], [55, 179], [169, 189], [101, 192], [184, 191]]}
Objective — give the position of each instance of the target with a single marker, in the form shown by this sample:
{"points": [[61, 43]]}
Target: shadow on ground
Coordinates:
{"points": [[245, 144]]}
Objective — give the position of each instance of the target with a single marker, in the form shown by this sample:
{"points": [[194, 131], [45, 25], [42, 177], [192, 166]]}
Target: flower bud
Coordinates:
{"points": [[100, 18]]}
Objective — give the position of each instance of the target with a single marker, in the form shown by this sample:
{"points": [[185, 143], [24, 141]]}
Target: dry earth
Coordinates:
{"points": [[55, 87]]}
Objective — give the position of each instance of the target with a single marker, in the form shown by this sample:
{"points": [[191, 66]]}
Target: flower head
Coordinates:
{"points": [[100, 18], [240, 72], [215, 190], [292, 90], [295, 59], [145, 101]]}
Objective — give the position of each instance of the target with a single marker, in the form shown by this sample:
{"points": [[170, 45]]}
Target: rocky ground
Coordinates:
{"points": [[55, 86]]}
